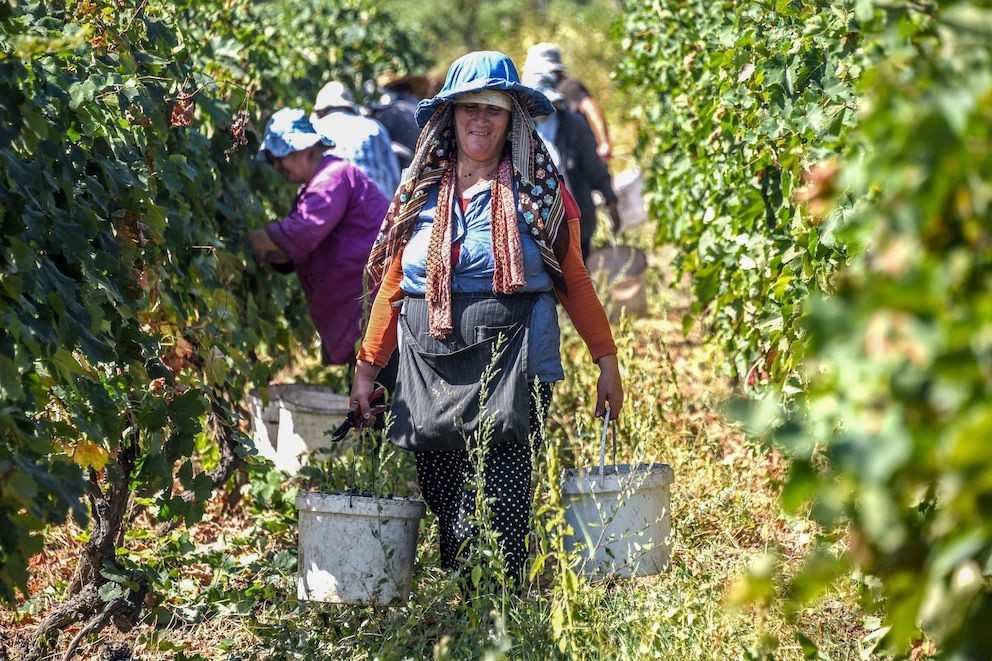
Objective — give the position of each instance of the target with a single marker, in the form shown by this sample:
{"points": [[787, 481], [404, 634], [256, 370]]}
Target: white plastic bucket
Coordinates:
{"points": [[307, 415], [620, 517], [356, 549], [625, 271], [296, 422], [629, 187], [265, 421]]}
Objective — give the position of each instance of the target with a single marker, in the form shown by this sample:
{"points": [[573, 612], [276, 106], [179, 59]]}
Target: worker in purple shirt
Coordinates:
{"points": [[327, 236]]}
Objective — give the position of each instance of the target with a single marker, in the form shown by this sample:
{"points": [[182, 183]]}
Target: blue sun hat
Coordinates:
{"points": [[483, 70], [289, 130]]}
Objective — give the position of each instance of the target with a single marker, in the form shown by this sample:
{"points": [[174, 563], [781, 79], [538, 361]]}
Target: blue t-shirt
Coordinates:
{"points": [[473, 273]]}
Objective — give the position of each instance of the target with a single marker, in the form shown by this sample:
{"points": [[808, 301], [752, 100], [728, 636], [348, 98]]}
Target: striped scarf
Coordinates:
{"points": [[527, 169]]}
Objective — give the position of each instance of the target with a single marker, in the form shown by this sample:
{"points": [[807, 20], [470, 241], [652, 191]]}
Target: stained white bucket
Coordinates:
{"points": [[619, 515], [296, 422], [625, 271], [621, 519], [629, 187], [265, 420], [356, 549], [307, 415]]}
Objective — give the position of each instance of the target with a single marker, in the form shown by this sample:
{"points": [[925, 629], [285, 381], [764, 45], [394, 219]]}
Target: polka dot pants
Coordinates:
{"points": [[448, 482]]}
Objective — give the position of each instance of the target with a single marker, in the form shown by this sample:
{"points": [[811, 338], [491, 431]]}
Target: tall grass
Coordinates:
{"points": [[725, 522], [227, 587]]}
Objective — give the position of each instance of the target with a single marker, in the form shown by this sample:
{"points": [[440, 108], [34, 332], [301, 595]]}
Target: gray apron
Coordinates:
{"points": [[470, 387]]}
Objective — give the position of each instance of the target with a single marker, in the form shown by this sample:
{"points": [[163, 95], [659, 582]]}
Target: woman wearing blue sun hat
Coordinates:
{"points": [[478, 243]]}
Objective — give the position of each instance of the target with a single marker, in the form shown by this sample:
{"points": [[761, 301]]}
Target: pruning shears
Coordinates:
{"points": [[352, 421]]}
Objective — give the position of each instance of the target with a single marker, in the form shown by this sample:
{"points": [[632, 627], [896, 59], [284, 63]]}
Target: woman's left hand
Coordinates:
{"points": [[609, 388]]}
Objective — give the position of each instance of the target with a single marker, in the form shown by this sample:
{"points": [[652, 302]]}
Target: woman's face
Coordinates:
{"points": [[481, 130], [295, 167]]}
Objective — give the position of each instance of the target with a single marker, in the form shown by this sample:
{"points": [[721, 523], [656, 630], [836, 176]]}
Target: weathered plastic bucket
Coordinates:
{"points": [[296, 422], [307, 415], [621, 518], [625, 270], [356, 549], [629, 187], [265, 421]]}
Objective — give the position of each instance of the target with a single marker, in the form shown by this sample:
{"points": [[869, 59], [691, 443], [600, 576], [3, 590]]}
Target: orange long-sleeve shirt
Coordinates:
{"points": [[581, 303]]}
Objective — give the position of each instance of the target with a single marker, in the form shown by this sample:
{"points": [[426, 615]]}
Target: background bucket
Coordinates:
{"points": [[629, 187], [625, 270], [356, 549], [621, 518], [296, 422], [265, 421]]}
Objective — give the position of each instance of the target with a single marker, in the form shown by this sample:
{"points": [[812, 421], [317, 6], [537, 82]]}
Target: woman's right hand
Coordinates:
{"points": [[264, 248], [361, 390]]}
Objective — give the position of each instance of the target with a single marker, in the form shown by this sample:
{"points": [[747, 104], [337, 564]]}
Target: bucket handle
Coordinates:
{"points": [[602, 445], [352, 479]]}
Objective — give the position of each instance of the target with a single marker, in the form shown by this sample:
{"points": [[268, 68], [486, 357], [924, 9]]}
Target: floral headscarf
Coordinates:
{"points": [[526, 169]]}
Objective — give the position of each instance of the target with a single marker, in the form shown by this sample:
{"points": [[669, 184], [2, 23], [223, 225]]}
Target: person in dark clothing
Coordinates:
{"points": [[398, 115], [571, 141], [546, 58]]}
